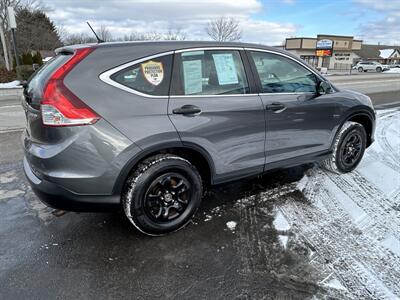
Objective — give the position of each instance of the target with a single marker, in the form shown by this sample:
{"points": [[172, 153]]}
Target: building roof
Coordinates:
{"points": [[372, 51]]}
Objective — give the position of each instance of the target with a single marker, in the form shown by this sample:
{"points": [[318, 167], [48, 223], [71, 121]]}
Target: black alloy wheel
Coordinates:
{"points": [[167, 197], [351, 149]]}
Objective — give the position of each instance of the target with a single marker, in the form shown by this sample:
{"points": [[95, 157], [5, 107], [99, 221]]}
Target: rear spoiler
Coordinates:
{"points": [[72, 48]]}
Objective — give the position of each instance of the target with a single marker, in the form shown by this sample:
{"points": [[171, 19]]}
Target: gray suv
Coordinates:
{"points": [[147, 126]]}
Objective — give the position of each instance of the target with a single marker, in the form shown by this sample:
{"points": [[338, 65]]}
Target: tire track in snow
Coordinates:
{"points": [[340, 244], [382, 136], [369, 199], [349, 225], [369, 237]]}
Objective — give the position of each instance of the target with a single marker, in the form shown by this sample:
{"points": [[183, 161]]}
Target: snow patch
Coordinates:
{"points": [[8, 177], [10, 194], [393, 70], [385, 53], [231, 225], [392, 244], [301, 185], [332, 282], [283, 239], [280, 222], [11, 85]]}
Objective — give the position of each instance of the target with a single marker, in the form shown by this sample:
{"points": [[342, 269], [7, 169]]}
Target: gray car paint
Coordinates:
{"points": [[231, 130], [304, 127]]}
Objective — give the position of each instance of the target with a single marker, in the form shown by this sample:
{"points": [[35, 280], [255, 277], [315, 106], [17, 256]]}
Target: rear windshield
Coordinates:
{"points": [[36, 83]]}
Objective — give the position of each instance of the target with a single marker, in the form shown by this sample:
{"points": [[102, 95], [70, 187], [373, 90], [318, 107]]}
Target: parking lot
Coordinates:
{"points": [[293, 234]]}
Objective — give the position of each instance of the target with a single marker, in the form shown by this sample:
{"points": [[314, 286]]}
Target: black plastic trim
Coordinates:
{"points": [[119, 184], [55, 196]]}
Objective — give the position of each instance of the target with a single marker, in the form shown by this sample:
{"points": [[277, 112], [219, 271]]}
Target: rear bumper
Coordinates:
{"points": [[58, 197]]}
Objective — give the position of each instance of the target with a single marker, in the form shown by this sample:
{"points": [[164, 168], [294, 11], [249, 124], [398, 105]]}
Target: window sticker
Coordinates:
{"points": [[226, 70], [153, 71], [191, 53], [192, 76]]}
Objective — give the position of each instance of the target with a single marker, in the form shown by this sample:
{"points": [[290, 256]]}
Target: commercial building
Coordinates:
{"points": [[339, 52], [326, 51]]}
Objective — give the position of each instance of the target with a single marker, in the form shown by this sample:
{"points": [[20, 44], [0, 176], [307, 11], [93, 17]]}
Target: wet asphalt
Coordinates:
{"points": [[47, 254]]}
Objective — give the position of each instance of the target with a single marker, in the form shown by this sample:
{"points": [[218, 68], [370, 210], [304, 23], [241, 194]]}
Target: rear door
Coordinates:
{"points": [[298, 120], [212, 105]]}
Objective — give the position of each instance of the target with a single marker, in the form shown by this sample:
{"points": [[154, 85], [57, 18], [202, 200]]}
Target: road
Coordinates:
{"points": [[382, 88], [300, 233]]}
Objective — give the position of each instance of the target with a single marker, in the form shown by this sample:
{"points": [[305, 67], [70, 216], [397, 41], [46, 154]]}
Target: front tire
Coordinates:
{"points": [[379, 69], [348, 149], [162, 195], [360, 69]]}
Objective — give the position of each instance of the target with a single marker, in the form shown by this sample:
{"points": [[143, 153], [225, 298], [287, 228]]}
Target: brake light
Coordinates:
{"points": [[61, 107]]}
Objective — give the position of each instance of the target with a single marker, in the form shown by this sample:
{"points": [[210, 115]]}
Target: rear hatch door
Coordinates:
{"points": [[33, 93]]}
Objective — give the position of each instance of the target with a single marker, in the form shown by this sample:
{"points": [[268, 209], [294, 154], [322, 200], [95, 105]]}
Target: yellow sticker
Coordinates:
{"points": [[153, 72]]}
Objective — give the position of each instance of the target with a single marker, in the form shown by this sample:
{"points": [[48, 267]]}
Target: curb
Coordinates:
{"points": [[10, 93], [15, 129]]}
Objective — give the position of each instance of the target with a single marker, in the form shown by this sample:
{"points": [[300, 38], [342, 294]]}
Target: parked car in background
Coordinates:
{"points": [[365, 66], [147, 126]]}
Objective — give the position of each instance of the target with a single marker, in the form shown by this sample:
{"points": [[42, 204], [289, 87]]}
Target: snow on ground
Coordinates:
{"points": [[392, 70], [349, 224], [10, 85]]}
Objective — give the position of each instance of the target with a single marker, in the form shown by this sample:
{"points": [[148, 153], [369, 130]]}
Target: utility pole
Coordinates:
{"points": [[13, 25], [4, 43]]}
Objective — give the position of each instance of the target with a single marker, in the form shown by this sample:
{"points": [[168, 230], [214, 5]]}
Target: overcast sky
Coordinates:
{"points": [[262, 21]]}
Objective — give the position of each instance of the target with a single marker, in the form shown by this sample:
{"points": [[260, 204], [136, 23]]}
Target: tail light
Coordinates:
{"points": [[61, 107]]}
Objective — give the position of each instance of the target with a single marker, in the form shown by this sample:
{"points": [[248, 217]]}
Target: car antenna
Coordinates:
{"points": [[99, 40]]}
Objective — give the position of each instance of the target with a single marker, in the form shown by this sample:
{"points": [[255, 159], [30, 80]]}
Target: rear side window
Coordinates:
{"points": [[150, 77], [210, 72], [279, 74]]}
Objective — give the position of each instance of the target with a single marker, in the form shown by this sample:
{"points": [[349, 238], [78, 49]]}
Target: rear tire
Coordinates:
{"points": [[379, 69], [348, 149], [162, 195]]}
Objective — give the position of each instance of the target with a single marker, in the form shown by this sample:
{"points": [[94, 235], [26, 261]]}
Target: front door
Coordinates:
{"points": [[299, 121], [211, 106]]}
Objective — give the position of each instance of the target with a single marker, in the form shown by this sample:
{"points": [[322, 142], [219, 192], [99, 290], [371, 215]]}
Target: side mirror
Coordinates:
{"points": [[324, 87]]}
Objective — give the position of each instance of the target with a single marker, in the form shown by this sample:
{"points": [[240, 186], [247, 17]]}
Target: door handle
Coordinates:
{"points": [[275, 106], [187, 110]]}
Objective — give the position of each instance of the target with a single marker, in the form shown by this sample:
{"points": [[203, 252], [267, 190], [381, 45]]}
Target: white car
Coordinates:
{"points": [[364, 66]]}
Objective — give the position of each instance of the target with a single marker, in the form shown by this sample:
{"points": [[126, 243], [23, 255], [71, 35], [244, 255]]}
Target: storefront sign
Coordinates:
{"points": [[323, 53], [324, 45]]}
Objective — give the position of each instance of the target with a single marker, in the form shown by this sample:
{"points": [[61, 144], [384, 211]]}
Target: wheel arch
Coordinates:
{"points": [[192, 152], [365, 118]]}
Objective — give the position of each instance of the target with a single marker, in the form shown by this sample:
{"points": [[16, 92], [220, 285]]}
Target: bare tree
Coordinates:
{"points": [[224, 29], [104, 34], [78, 38], [170, 35], [174, 35]]}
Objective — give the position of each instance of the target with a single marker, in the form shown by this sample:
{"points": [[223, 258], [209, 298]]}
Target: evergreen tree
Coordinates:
{"points": [[37, 58], [27, 59], [35, 31]]}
